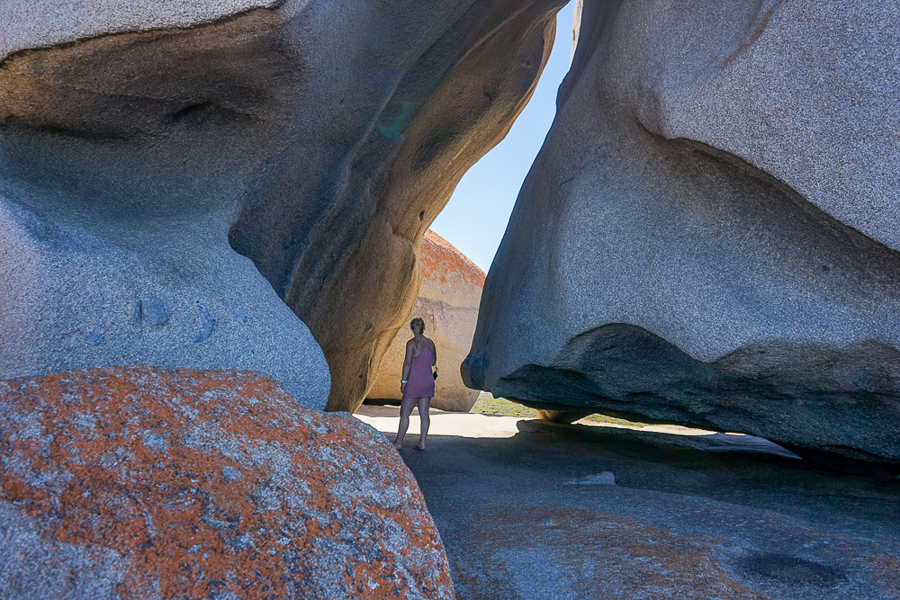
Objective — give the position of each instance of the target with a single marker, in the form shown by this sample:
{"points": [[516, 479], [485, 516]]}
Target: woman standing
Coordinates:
{"points": [[417, 382]]}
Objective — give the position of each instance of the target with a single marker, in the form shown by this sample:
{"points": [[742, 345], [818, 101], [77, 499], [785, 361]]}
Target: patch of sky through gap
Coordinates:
{"points": [[475, 218]]}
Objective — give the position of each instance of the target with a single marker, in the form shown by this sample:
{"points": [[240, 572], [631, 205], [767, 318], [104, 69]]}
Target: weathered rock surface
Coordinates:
{"points": [[144, 483], [425, 90], [709, 235], [123, 161], [141, 144], [448, 302], [689, 516]]}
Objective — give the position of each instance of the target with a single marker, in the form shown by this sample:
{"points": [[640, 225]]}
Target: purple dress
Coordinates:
{"points": [[420, 382]]}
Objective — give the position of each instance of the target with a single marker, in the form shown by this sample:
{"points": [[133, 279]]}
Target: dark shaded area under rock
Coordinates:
{"points": [[837, 407]]}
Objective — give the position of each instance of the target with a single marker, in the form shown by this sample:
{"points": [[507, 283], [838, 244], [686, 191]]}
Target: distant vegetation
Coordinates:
{"points": [[488, 405]]}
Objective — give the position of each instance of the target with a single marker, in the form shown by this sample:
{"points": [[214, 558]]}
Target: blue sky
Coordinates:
{"points": [[476, 215]]}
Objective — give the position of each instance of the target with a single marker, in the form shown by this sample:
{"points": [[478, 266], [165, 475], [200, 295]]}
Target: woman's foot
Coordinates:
{"points": [[419, 447], [398, 446]]}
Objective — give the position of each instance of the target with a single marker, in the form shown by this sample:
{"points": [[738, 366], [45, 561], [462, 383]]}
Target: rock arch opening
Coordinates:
{"points": [[453, 265]]}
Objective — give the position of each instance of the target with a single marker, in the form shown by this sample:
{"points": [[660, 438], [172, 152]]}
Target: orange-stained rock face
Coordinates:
{"points": [[448, 302], [137, 482], [441, 262]]}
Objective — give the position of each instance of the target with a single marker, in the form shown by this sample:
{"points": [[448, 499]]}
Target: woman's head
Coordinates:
{"points": [[418, 326]]}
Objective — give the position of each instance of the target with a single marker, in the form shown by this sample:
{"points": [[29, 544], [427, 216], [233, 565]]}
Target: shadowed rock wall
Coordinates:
{"points": [[709, 235], [142, 143], [448, 302]]}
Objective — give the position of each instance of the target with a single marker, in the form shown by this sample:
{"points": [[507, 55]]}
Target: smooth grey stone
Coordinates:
{"points": [[709, 235], [125, 155]]}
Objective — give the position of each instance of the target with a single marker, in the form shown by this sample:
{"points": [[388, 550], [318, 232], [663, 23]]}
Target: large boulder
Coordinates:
{"points": [[130, 137], [448, 302], [136, 482], [709, 235], [146, 149]]}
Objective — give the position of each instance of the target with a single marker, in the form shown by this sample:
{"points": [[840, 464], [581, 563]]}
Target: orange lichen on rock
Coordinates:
{"points": [[184, 484], [448, 302], [439, 261]]}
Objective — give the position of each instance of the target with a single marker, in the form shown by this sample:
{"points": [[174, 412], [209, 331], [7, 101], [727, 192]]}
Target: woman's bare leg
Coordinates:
{"points": [[406, 406], [425, 420]]}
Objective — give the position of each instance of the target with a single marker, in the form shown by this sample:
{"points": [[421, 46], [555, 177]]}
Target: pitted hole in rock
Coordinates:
{"points": [[790, 570], [151, 310], [191, 113]]}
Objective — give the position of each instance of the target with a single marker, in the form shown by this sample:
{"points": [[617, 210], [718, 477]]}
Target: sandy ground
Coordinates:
{"points": [[529, 510], [386, 420]]}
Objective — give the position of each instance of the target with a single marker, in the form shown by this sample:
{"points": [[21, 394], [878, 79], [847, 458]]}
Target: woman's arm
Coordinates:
{"points": [[433, 353], [407, 363]]}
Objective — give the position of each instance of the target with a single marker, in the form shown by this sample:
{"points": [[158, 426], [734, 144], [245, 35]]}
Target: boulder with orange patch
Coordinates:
{"points": [[448, 302], [138, 482]]}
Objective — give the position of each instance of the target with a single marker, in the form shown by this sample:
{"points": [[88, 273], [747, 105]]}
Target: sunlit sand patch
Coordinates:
{"points": [[672, 429], [386, 419], [474, 425]]}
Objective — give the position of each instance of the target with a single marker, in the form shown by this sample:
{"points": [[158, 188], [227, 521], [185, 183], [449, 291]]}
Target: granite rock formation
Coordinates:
{"points": [[129, 139], [137, 482], [407, 97], [146, 149], [448, 302], [709, 235]]}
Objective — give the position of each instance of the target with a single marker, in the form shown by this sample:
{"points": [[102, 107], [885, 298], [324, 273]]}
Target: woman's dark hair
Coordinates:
{"points": [[418, 326]]}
